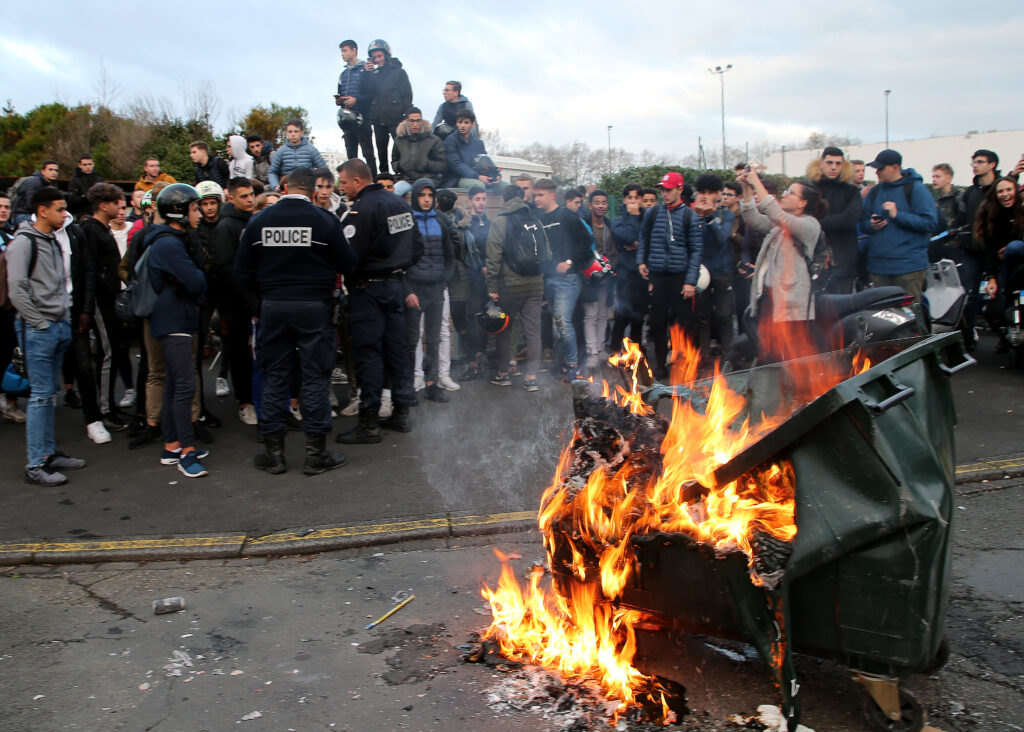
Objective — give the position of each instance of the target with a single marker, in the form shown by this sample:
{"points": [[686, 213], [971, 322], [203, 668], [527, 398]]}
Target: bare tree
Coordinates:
{"points": [[202, 105], [106, 89]]}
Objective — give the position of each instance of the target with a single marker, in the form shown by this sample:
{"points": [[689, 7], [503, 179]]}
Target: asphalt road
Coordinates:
{"points": [[489, 450]]}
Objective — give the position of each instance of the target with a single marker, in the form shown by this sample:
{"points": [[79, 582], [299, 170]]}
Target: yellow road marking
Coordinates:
{"points": [[78, 546], [493, 518], [989, 465], [343, 531]]}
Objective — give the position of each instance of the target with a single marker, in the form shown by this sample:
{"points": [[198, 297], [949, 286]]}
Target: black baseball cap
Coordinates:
{"points": [[886, 157]]}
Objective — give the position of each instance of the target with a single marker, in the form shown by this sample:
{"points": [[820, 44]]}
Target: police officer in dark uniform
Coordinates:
{"points": [[379, 225], [291, 254]]}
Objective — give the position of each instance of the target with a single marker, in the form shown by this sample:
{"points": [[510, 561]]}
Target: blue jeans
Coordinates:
{"points": [[44, 354], [561, 292], [1013, 258]]}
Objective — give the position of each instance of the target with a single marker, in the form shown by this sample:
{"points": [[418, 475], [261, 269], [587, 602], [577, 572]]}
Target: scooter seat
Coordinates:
{"points": [[838, 305]]}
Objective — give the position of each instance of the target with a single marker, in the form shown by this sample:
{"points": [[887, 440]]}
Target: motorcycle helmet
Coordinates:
{"points": [[210, 189], [348, 118], [443, 130], [599, 269], [173, 202], [147, 199], [379, 44], [492, 320], [703, 279], [483, 165]]}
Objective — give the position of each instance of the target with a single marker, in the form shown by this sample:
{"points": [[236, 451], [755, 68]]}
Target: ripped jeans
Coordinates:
{"points": [[561, 292]]}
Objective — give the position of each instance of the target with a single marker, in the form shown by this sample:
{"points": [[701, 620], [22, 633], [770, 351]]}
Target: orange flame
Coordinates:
{"points": [[582, 632]]}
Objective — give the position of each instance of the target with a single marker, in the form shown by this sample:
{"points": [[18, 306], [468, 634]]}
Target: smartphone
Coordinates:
{"points": [[876, 217]]}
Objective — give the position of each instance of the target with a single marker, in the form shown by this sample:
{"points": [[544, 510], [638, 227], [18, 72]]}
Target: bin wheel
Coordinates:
{"points": [[941, 657], [912, 717]]}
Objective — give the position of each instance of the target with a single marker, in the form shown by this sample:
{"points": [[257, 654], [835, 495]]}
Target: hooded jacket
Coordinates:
{"points": [[44, 296], [78, 186], [844, 209], [105, 255], [241, 163], [177, 279], [288, 157], [901, 247], [390, 90], [671, 242], [418, 155], [437, 265], [231, 294], [501, 278]]}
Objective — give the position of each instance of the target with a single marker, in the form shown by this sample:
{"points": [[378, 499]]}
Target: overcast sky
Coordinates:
{"points": [[541, 71]]}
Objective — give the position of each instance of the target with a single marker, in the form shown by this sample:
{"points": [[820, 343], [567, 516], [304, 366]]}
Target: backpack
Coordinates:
{"points": [[819, 264], [5, 295], [139, 297], [15, 190], [525, 248]]}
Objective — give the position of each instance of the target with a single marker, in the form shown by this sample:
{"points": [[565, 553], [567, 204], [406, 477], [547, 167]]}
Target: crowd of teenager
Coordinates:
{"points": [[549, 283]]}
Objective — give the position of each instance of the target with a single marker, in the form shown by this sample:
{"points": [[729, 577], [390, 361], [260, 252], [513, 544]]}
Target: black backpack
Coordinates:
{"points": [[525, 248], [819, 264]]}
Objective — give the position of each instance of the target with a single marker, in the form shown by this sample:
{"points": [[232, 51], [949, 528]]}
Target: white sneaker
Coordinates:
{"points": [[338, 376], [248, 414], [128, 400], [386, 407], [223, 389], [97, 432], [419, 384], [10, 411], [446, 383], [352, 408]]}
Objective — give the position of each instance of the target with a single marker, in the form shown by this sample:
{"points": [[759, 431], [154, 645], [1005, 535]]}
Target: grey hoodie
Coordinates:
{"points": [[45, 296]]}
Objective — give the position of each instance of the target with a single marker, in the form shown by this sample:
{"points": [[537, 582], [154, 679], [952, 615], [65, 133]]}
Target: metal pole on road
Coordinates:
{"points": [[610, 149], [887, 93]]}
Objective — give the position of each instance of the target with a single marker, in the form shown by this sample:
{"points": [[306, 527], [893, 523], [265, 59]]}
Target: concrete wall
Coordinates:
{"points": [[918, 154]]}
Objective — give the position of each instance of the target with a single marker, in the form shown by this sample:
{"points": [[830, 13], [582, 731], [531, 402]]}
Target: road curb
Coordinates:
{"points": [[303, 540], [312, 539]]}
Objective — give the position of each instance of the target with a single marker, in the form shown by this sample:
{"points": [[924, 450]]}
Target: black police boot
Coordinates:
{"points": [[318, 460], [272, 458], [367, 432], [435, 393], [399, 420]]}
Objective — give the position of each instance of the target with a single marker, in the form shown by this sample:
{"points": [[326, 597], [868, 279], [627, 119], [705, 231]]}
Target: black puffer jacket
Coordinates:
{"points": [[391, 92], [437, 265], [105, 258], [229, 292]]}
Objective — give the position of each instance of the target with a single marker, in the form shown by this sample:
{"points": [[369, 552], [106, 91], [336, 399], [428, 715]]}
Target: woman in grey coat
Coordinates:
{"points": [[791, 225]]}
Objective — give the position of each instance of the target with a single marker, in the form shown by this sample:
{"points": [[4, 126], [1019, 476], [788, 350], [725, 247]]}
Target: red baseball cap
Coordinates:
{"points": [[671, 180]]}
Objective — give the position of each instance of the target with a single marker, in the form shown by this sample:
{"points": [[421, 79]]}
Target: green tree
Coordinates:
{"points": [[269, 123]]}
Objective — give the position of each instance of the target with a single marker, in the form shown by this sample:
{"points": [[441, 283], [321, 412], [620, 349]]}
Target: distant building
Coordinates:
{"points": [[511, 167], [334, 158], [918, 154]]}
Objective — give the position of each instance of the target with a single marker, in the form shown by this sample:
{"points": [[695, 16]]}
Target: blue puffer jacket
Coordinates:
{"points": [[671, 242], [289, 157], [901, 246], [717, 248], [350, 85], [438, 261]]}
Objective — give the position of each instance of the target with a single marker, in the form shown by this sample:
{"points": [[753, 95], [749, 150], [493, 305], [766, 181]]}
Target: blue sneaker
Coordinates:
{"points": [[173, 457], [190, 467]]}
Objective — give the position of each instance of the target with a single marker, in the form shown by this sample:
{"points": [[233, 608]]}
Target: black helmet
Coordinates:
{"points": [[173, 201], [492, 320], [379, 44], [348, 118], [483, 165], [443, 130]]}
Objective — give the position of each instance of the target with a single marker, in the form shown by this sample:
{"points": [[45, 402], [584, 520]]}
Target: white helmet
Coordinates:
{"points": [[703, 279], [210, 189]]}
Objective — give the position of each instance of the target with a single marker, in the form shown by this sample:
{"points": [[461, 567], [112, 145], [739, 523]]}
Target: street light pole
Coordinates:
{"points": [[721, 71], [887, 93], [610, 149]]}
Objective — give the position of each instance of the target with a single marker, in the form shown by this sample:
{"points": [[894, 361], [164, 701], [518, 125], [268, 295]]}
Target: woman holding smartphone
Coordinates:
{"points": [[781, 286]]}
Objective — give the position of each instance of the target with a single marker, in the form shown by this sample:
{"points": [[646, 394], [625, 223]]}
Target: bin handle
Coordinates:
{"points": [[905, 392], [968, 360]]}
